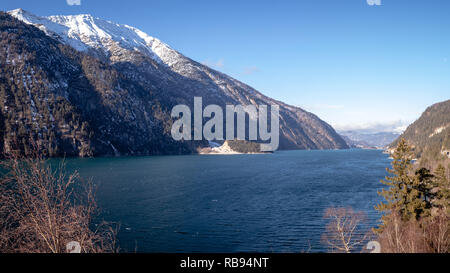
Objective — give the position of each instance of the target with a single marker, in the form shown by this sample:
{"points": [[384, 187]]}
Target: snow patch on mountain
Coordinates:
{"points": [[85, 31], [50, 28], [154, 65], [439, 130]]}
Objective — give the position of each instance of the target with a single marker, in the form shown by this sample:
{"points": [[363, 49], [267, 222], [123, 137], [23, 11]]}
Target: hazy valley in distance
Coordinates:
{"points": [[367, 140]]}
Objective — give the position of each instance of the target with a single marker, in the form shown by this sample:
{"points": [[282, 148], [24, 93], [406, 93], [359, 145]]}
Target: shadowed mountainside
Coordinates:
{"points": [[107, 98]]}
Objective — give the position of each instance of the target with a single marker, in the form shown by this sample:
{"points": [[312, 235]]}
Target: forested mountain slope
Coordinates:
{"points": [[83, 86], [430, 134]]}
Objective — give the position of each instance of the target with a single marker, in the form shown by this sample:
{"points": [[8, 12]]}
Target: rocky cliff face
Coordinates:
{"points": [[85, 86], [430, 134]]}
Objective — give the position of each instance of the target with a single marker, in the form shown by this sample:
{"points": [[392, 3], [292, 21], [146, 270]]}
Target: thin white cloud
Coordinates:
{"points": [[73, 2], [374, 127], [250, 70], [374, 2], [322, 106], [214, 64]]}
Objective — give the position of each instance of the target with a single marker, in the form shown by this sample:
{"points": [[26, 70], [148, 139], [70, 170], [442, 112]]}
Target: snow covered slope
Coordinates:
{"points": [[85, 31], [154, 65]]}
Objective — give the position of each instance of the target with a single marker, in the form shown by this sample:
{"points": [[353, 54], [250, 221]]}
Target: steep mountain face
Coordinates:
{"points": [[430, 134], [72, 104], [120, 85]]}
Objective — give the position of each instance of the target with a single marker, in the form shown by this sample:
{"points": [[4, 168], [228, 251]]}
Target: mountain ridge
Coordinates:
{"points": [[429, 135], [175, 79]]}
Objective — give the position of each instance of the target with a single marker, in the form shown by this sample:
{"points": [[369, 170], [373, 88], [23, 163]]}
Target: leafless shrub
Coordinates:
{"points": [[428, 235], [437, 232], [346, 231], [43, 208], [400, 236]]}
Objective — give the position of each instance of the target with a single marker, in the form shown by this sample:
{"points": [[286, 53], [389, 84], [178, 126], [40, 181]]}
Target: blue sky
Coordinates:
{"points": [[353, 64]]}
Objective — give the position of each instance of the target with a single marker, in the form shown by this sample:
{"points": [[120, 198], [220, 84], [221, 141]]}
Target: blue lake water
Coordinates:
{"points": [[233, 203]]}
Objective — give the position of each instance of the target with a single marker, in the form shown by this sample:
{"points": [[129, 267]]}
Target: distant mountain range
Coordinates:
{"points": [[430, 134], [365, 140], [83, 86]]}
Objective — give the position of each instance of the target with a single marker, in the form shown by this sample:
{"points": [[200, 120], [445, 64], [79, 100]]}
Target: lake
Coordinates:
{"points": [[233, 203]]}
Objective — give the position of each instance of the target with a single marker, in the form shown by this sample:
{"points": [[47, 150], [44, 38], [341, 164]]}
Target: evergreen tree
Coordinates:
{"points": [[403, 195], [424, 184], [442, 198]]}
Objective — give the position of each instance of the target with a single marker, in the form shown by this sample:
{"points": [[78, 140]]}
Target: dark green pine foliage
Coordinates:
{"points": [[442, 186], [404, 193], [424, 184]]}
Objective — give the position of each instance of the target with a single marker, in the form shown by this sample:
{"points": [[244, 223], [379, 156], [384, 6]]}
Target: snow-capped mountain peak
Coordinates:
{"points": [[85, 31], [150, 78]]}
